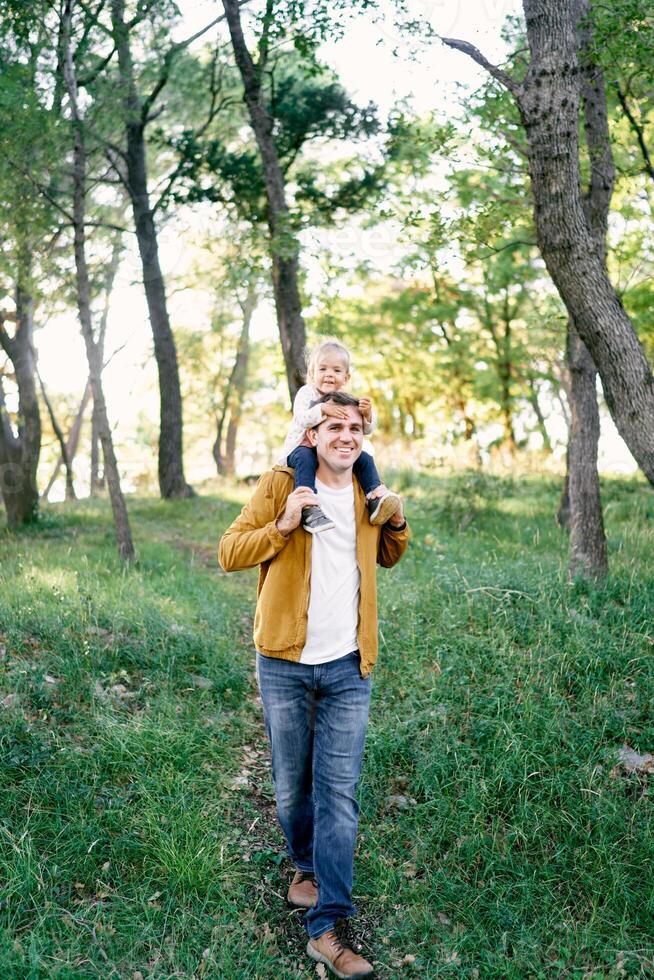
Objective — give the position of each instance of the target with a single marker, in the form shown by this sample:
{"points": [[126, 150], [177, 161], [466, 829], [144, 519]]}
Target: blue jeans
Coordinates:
{"points": [[316, 719], [304, 461]]}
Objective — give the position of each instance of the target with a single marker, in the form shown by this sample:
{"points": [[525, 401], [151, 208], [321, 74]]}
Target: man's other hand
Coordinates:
{"points": [[290, 519], [398, 518]]}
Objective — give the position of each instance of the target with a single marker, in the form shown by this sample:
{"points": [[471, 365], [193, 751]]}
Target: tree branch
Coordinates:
{"points": [[638, 130], [100, 67], [215, 107], [265, 35], [6, 342], [161, 82], [95, 17], [7, 434], [498, 73], [514, 244]]}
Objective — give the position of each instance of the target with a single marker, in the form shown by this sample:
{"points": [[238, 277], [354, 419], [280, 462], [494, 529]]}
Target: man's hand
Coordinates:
{"points": [[330, 408], [365, 407], [290, 519], [398, 518]]}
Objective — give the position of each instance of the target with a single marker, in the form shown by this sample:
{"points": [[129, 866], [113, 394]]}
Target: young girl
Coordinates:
{"points": [[328, 370]]}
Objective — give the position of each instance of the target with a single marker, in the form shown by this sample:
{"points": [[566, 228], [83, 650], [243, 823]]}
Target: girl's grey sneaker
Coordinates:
{"points": [[314, 521], [381, 509]]}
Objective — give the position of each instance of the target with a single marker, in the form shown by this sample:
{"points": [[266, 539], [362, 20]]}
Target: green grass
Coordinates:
{"points": [[499, 838]]}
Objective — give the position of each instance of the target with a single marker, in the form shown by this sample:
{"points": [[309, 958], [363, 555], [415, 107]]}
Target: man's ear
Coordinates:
{"points": [[312, 436]]}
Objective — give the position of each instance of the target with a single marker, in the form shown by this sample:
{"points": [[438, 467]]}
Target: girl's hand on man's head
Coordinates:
{"points": [[330, 408]]}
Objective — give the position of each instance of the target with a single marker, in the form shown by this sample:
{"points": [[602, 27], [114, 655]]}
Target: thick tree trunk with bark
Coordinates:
{"points": [[236, 387], [20, 450], [119, 509], [549, 104], [172, 482], [549, 100], [284, 245], [588, 557]]}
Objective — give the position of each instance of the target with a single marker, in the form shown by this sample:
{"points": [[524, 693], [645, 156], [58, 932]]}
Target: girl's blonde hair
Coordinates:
{"points": [[318, 351]]}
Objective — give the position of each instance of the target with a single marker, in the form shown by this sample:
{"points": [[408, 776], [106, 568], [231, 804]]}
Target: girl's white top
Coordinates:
{"points": [[306, 416]]}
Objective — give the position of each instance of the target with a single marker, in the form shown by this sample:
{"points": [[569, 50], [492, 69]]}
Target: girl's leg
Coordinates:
{"points": [[382, 502], [304, 461], [366, 473]]}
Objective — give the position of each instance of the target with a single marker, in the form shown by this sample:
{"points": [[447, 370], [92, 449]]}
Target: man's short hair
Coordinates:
{"points": [[339, 398]]}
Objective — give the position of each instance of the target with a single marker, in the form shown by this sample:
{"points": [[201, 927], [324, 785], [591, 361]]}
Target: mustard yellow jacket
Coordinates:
{"points": [[280, 622]]}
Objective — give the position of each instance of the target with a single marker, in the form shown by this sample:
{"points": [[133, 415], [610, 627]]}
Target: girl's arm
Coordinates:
{"points": [[304, 413], [369, 416]]}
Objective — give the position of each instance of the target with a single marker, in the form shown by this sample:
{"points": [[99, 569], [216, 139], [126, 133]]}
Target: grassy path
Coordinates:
{"points": [[501, 835]]}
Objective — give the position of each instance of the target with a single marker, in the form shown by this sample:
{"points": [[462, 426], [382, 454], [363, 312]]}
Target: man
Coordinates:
{"points": [[315, 631]]}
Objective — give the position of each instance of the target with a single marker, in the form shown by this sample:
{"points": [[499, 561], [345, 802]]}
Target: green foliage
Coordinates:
{"points": [[308, 106]]}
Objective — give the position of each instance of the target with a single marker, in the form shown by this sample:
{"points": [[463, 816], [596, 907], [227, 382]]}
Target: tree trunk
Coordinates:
{"points": [[563, 511], [172, 482], [97, 481], [587, 540], [235, 392], [20, 451], [119, 509], [505, 375], [70, 485], [549, 103], [283, 243], [588, 556], [548, 99], [580, 507], [73, 439], [538, 412]]}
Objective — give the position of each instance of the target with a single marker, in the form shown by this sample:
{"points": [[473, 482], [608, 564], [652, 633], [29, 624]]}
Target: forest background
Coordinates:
{"points": [[406, 206], [190, 196]]}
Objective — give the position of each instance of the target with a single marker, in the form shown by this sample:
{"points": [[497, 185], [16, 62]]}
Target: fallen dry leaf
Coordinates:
{"points": [[632, 761], [49, 679], [9, 701], [408, 959], [443, 919], [200, 682], [321, 971], [400, 802]]}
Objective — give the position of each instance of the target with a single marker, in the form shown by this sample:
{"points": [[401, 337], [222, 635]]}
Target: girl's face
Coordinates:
{"points": [[330, 372]]}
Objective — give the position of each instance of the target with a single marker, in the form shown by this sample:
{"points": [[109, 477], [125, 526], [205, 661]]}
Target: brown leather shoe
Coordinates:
{"points": [[303, 890], [344, 962]]}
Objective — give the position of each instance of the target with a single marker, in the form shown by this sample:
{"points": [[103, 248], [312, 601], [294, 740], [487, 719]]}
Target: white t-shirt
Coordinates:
{"points": [[333, 613]]}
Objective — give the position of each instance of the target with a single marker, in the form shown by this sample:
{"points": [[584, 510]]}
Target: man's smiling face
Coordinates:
{"points": [[339, 442]]}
